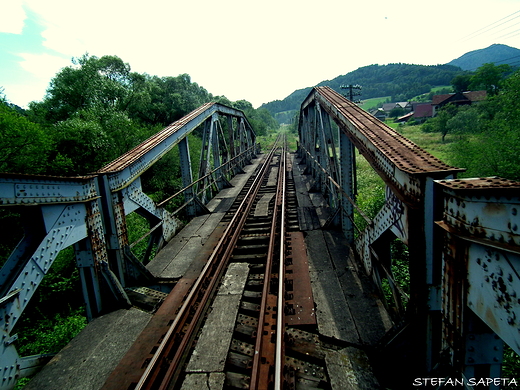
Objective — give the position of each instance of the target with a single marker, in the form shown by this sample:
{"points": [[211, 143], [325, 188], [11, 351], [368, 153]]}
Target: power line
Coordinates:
{"points": [[507, 59], [489, 27], [508, 35], [508, 27]]}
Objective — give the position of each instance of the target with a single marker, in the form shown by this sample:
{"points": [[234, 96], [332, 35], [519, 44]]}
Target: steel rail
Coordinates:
{"points": [[171, 351], [280, 320], [268, 354]]}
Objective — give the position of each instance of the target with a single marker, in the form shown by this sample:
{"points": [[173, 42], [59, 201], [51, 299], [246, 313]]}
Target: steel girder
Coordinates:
{"points": [[481, 263], [90, 214], [464, 277]]}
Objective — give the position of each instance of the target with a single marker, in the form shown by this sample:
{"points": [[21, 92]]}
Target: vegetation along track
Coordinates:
{"points": [[270, 348]]}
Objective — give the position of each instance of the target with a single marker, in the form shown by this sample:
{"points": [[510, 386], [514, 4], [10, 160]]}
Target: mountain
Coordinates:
{"points": [[399, 81], [496, 53]]}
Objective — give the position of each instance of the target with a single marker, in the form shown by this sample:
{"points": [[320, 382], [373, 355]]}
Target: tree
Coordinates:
{"points": [[396, 112], [461, 82], [494, 150], [91, 81], [25, 146], [489, 77], [440, 122], [465, 121]]}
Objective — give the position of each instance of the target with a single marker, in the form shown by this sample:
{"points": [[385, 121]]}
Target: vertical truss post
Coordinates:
{"points": [[347, 167], [90, 282], [205, 156], [244, 143], [218, 155], [433, 207], [187, 176], [235, 168], [231, 137], [306, 139], [323, 153], [93, 259], [311, 139], [116, 234], [329, 157], [302, 135]]}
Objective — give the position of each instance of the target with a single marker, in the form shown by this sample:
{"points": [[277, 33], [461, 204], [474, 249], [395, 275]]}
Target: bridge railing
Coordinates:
{"points": [[89, 213], [462, 238]]}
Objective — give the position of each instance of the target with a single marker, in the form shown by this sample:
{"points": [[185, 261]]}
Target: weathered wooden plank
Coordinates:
{"points": [[332, 311], [302, 302], [204, 381], [349, 369], [212, 346], [372, 320]]}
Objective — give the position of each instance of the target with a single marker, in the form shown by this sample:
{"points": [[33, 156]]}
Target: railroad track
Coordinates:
{"points": [[274, 341]]}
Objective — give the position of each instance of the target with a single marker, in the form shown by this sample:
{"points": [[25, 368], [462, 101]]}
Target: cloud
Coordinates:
{"points": [[43, 66], [12, 17]]}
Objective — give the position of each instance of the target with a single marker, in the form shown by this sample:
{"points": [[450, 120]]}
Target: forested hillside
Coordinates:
{"points": [[400, 81]]}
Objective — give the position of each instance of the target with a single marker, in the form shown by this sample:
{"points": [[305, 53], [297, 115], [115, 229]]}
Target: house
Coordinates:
{"points": [[423, 111], [458, 99], [407, 106], [404, 118], [379, 114], [387, 107]]}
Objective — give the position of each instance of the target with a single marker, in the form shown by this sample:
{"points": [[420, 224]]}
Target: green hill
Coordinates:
{"points": [[399, 81], [497, 54]]}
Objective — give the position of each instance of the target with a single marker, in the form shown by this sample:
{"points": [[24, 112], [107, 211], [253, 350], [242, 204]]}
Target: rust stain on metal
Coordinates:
{"points": [[482, 183], [300, 308], [140, 150], [402, 152]]}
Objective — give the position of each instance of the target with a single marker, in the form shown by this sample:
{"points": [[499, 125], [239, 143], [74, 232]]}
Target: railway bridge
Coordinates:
{"points": [[279, 279]]}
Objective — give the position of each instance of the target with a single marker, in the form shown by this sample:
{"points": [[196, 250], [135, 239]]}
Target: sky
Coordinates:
{"points": [[259, 51]]}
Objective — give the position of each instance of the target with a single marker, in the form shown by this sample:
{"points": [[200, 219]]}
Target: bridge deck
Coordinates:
{"points": [[348, 312]]}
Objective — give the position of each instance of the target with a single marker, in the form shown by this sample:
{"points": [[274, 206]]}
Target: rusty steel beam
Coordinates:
{"points": [[89, 212], [132, 164], [399, 161], [464, 276], [481, 225]]}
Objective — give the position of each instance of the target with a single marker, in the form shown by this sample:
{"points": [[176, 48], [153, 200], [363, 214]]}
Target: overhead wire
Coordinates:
{"points": [[489, 27]]}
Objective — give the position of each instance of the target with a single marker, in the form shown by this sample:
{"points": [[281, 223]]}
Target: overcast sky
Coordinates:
{"points": [[254, 50]]}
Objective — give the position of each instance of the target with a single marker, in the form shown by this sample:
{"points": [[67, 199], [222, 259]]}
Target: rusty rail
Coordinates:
{"points": [[269, 354], [165, 366]]}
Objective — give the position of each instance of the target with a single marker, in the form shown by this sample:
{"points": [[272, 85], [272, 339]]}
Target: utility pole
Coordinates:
{"points": [[352, 92]]}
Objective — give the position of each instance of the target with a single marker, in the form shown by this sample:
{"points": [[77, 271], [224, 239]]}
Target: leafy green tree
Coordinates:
{"points": [[396, 112], [25, 146], [439, 123], [489, 77], [461, 82], [91, 81], [83, 143], [494, 150], [465, 121]]}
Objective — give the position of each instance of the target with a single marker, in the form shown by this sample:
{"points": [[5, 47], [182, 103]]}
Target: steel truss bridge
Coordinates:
{"points": [[462, 235]]}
